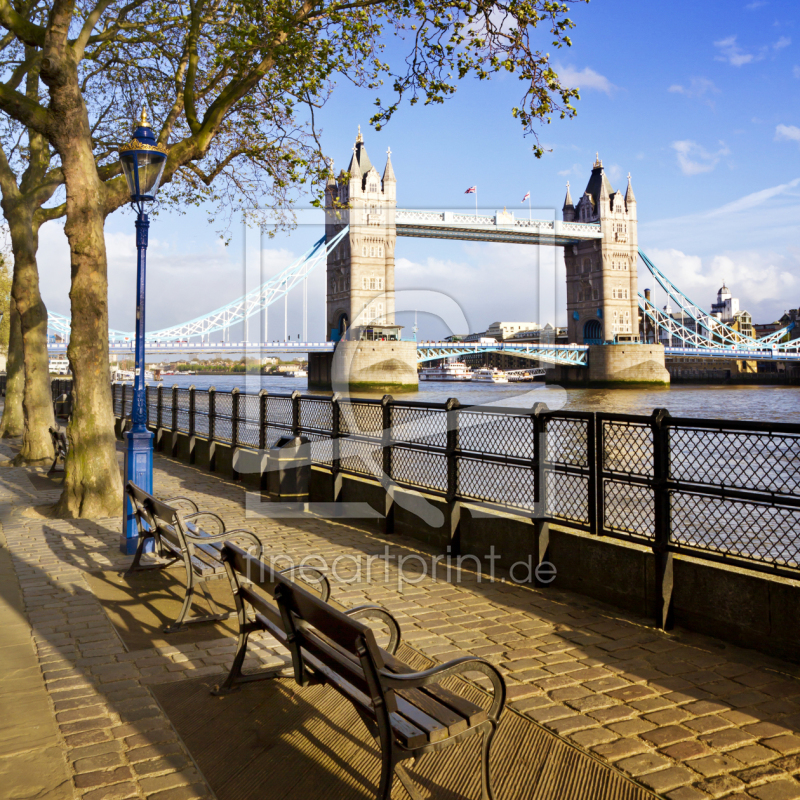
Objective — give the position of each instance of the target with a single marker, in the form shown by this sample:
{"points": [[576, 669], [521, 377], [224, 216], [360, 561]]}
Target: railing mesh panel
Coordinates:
{"points": [[360, 418], [362, 457], [166, 409], [316, 414], [737, 459], [279, 411], [183, 410], [568, 497], [505, 484], [496, 434], [751, 530], [151, 395], [421, 425], [422, 468], [628, 448], [223, 412], [249, 423], [629, 508], [566, 442]]}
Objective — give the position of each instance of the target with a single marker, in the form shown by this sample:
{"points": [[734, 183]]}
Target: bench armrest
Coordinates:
{"points": [[458, 666], [223, 537], [322, 580], [183, 500], [370, 611], [192, 517]]}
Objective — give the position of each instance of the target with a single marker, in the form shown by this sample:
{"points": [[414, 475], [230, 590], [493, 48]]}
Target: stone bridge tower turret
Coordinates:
{"points": [[360, 271], [602, 285]]}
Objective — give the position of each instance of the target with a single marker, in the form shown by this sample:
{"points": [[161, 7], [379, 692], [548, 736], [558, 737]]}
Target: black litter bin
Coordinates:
{"points": [[289, 470]]}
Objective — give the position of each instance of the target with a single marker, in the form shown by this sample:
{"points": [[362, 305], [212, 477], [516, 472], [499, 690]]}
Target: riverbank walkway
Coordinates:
{"points": [[96, 703]]}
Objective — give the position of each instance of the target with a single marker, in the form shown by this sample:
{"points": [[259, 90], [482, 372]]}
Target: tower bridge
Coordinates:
{"points": [[363, 344]]}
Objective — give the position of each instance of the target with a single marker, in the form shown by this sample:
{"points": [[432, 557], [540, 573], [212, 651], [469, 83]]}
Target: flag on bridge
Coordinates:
{"points": [[472, 190], [527, 197]]}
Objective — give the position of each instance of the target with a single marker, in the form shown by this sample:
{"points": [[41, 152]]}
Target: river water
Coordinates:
{"points": [[762, 403]]}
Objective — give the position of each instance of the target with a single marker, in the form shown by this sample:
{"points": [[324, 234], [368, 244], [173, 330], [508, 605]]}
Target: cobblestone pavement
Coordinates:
{"points": [[686, 715]]}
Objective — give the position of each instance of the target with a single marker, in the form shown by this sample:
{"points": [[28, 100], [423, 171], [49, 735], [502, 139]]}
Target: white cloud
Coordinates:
{"points": [[697, 87], [784, 41], [756, 4], [796, 72], [575, 169], [787, 133], [730, 51], [763, 281], [585, 78], [754, 200], [694, 159]]}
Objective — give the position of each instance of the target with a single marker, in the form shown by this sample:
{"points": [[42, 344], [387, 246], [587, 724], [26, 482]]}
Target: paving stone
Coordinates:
{"points": [[613, 751], [669, 734], [667, 779], [727, 739], [89, 780], [777, 790], [643, 763], [686, 793], [784, 744], [119, 791], [716, 764]]}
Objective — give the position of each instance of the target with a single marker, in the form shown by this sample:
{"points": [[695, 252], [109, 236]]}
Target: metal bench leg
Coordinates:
{"points": [[135, 563], [187, 604], [486, 780], [387, 775]]}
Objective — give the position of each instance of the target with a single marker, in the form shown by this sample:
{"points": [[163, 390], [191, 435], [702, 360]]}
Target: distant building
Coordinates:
{"points": [[502, 331]]}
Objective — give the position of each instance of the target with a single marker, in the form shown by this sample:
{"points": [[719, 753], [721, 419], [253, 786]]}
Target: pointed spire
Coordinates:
{"points": [[359, 138], [597, 161], [629, 195], [388, 172], [568, 199], [354, 169]]}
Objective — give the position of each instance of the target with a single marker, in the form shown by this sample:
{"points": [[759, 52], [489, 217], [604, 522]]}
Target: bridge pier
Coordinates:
{"points": [[368, 366], [617, 366]]}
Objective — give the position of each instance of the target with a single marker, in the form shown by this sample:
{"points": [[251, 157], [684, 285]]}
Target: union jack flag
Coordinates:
{"points": [[471, 190], [527, 195]]}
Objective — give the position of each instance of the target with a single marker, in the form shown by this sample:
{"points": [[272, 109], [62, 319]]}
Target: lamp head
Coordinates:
{"points": [[143, 161]]}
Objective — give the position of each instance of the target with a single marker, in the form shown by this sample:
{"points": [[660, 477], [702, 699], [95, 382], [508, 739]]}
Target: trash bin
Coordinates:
{"points": [[289, 470]]}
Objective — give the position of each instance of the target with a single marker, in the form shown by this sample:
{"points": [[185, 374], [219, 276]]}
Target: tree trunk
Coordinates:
{"points": [[37, 402], [12, 424], [92, 484]]}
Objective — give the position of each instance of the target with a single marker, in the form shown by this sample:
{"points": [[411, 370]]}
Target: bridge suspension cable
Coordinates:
{"points": [[239, 310], [717, 333]]}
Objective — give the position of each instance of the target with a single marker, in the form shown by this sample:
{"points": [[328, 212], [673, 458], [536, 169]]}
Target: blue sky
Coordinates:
{"points": [[698, 101]]}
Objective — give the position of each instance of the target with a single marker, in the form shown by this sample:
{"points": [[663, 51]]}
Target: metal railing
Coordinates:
{"points": [[718, 490]]}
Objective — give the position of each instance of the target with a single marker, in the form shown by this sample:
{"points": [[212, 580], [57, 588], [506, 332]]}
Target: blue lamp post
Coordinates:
{"points": [[143, 161]]}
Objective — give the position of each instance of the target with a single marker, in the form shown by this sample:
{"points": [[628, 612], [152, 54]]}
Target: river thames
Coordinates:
{"points": [[762, 403]]}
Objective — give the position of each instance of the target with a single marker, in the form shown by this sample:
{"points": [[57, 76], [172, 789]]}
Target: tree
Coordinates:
{"points": [[245, 79], [23, 201]]}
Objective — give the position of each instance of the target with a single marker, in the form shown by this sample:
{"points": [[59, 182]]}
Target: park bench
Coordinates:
{"points": [[60, 450], [177, 537], [407, 712], [62, 408]]}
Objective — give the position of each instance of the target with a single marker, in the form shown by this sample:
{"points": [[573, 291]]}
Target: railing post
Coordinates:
{"points": [[263, 420], [234, 418], [453, 532], [191, 411], [662, 521], [336, 418], [386, 463], [296, 412], [122, 403], [174, 410], [541, 523], [212, 413], [595, 459]]}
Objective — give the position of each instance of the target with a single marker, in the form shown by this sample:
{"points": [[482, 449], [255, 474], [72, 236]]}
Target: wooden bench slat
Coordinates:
{"points": [[473, 713]]}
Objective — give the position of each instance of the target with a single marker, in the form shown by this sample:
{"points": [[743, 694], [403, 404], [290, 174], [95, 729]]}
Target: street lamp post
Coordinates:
{"points": [[143, 161]]}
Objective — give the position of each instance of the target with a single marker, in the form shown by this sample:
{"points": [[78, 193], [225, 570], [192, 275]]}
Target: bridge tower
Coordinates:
{"points": [[602, 285], [361, 269], [360, 305], [603, 291]]}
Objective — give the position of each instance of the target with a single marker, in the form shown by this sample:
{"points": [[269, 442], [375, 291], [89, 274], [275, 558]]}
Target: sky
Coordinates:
{"points": [[697, 101]]}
